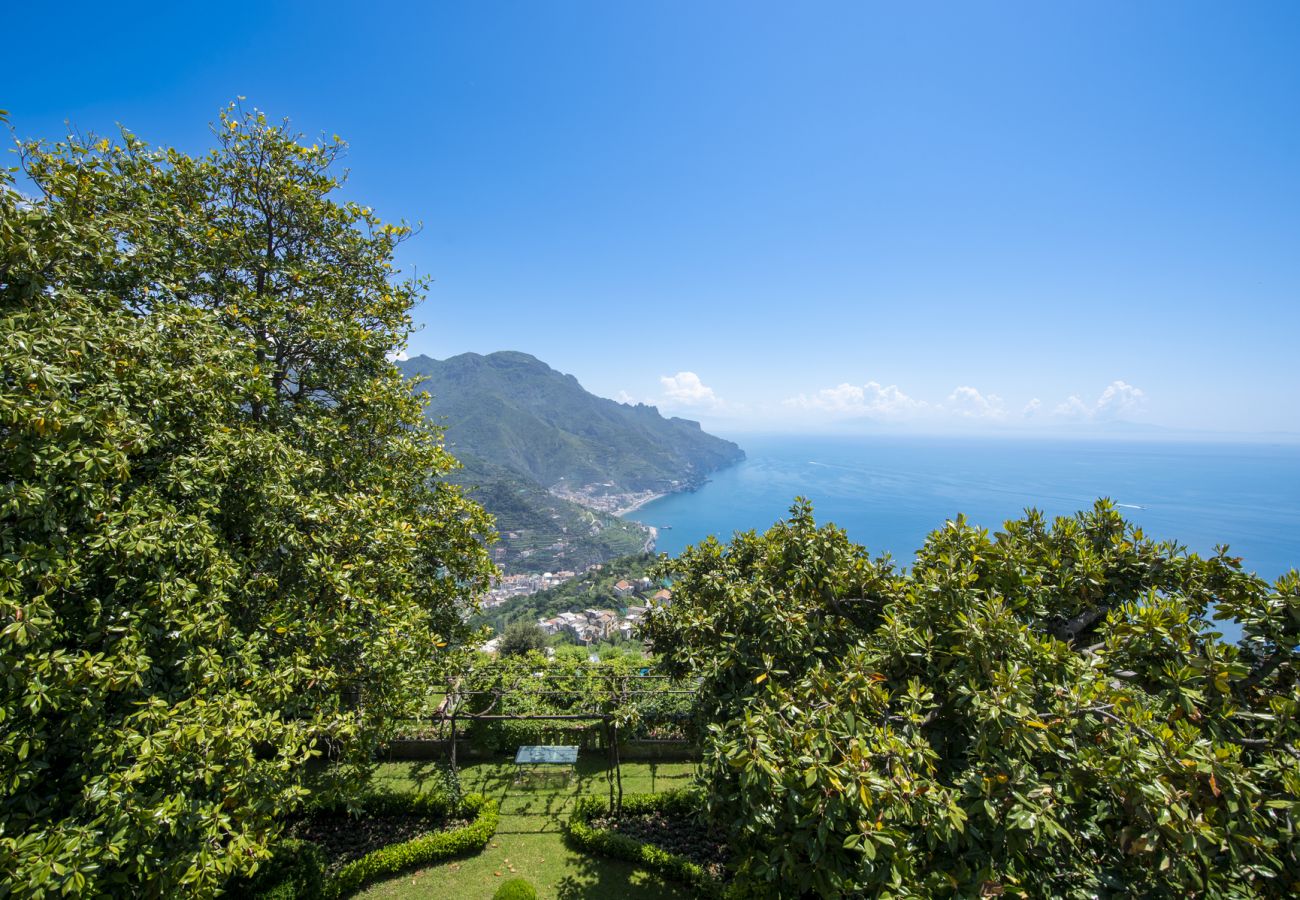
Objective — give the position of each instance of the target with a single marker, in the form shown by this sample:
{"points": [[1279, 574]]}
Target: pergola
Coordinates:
{"points": [[619, 691]]}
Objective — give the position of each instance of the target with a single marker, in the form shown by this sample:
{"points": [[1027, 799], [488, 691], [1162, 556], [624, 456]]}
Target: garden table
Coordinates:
{"points": [[534, 755]]}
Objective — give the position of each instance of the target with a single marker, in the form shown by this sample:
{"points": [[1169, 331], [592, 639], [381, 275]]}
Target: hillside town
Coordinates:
{"points": [[589, 626], [592, 625], [510, 586]]}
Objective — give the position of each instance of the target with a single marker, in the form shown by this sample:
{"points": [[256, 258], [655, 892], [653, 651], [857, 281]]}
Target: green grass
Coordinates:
{"points": [[528, 843]]}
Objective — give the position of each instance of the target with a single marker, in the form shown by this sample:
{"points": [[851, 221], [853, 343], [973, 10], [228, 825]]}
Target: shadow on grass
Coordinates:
{"points": [[429, 773], [600, 879]]}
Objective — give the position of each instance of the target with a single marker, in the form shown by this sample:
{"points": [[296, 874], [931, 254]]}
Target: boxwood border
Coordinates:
{"points": [[580, 835], [289, 880], [397, 858]]}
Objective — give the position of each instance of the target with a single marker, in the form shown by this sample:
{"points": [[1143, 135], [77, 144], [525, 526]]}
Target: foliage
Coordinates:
{"points": [[521, 637], [295, 870], [223, 545], [533, 685], [1044, 711], [580, 834], [516, 889], [421, 851]]}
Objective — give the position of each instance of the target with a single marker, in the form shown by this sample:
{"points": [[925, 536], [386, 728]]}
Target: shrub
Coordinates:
{"points": [[582, 836], [393, 803], [516, 889], [295, 870], [421, 851]]}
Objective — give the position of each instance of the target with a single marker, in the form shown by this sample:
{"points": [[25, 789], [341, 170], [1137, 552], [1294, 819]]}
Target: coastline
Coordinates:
{"points": [[623, 511]]}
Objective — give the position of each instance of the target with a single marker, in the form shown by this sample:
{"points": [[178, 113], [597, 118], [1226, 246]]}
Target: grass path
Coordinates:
{"points": [[528, 843]]}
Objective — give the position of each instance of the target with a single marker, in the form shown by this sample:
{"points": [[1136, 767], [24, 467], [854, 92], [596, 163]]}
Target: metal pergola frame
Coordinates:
{"points": [[448, 711]]}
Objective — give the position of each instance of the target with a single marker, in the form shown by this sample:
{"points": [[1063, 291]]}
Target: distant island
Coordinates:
{"points": [[556, 464]]}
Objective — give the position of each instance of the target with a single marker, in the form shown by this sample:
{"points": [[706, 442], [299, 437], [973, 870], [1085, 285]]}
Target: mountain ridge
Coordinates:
{"points": [[553, 462], [512, 410]]}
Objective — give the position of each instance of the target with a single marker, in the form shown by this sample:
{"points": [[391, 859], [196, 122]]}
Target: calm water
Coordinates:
{"points": [[888, 492]]}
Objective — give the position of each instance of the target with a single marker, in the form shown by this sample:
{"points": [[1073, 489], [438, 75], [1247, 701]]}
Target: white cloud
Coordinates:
{"points": [[686, 389], [1072, 408], [965, 404], [870, 399], [1117, 401], [969, 403], [625, 397], [399, 356]]}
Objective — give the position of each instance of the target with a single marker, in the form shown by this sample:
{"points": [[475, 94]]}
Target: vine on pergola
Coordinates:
{"points": [[531, 688]]}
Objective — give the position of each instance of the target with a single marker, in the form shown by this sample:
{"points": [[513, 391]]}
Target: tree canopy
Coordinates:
{"points": [[224, 543], [521, 637], [1044, 711]]}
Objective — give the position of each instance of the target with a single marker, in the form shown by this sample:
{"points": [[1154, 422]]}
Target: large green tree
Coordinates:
{"points": [[1045, 711], [224, 543]]}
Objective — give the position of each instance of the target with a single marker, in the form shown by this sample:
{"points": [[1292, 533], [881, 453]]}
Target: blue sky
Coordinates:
{"points": [[768, 216]]}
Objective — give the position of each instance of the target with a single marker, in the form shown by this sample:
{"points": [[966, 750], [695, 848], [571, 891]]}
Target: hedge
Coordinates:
{"points": [[582, 836], [421, 851], [395, 803], [290, 875]]}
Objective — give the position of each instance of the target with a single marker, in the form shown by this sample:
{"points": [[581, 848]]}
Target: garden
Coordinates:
{"points": [[458, 817], [1045, 711], [233, 591]]}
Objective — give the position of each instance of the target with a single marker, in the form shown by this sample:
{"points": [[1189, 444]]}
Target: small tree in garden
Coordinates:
{"points": [[224, 547], [1044, 711], [521, 637]]}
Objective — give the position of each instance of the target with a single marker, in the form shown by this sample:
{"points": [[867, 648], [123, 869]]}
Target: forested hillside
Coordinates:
{"points": [[532, 440], [540, 532], [512, 410]]}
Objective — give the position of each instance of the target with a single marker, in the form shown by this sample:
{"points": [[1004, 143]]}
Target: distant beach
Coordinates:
{"points": [[637, 504]]}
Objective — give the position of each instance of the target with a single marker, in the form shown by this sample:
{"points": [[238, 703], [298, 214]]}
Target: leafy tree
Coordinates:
{"points": [[224, 546], [1045, 711], [521, 638]]}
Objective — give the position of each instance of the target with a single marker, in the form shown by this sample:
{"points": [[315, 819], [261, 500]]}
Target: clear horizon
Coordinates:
{"points": [[1029, 219]]}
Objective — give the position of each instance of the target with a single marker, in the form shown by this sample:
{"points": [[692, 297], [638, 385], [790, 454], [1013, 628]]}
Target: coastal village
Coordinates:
{"points": [[592, 625], [632, 596], [508, 587]]}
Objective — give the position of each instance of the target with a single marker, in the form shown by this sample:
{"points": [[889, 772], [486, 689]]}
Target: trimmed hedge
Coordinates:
{"points": [[296, 869], [582, 836], [396, 803], [421, 851]]}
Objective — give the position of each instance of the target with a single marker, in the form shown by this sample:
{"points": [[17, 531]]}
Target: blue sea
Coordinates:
{"points": [[888, 493]]}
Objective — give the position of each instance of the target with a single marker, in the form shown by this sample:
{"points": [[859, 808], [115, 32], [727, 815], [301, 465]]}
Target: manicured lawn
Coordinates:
{"points": [[528, 843]]}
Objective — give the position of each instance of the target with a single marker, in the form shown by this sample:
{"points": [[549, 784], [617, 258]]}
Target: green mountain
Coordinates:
{"points": [[513, 411], [532, 440], [544, 533]]}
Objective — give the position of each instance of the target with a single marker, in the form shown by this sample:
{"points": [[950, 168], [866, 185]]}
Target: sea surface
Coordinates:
{"points": [[888, 493]]}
